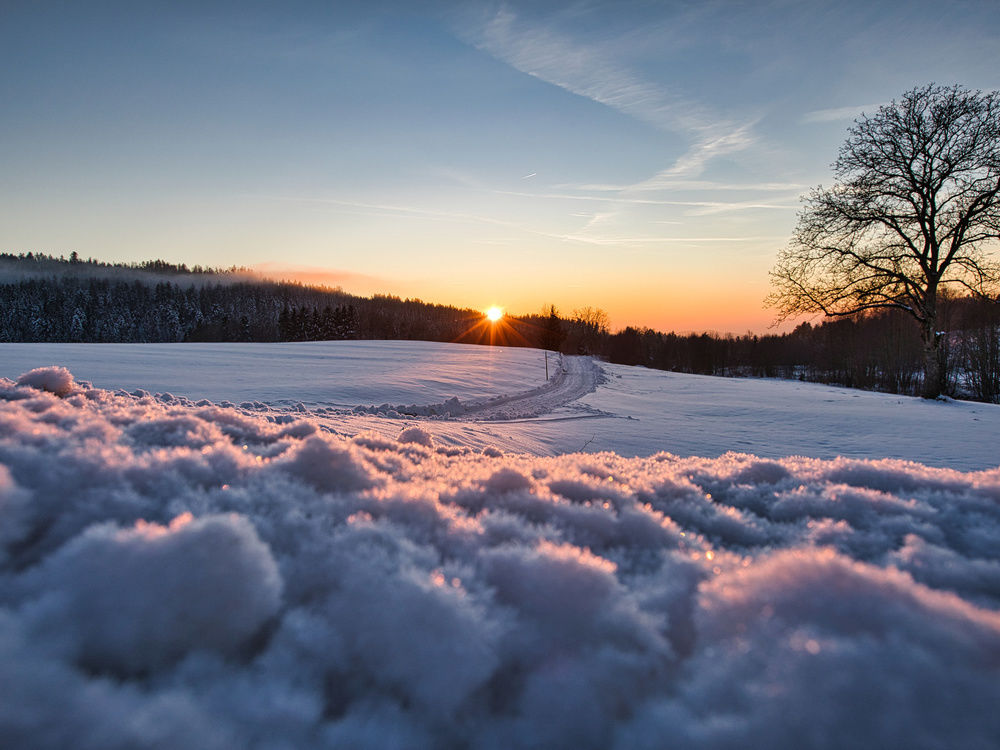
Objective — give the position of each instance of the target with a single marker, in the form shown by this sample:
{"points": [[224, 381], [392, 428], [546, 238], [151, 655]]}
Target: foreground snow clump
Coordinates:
{"points": [[192, 576]]}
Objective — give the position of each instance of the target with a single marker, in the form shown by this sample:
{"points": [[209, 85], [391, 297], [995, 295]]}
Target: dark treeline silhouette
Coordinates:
{"points": [[41, 264], [879, 350], [51, 299], [45, 298]]}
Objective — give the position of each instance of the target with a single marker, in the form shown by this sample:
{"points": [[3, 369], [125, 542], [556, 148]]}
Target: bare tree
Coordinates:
{"points": [[590, 326], [592, 317], [915, 210]]}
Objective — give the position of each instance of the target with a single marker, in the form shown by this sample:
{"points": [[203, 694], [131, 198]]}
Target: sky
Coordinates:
{"points": [[645, 158]]}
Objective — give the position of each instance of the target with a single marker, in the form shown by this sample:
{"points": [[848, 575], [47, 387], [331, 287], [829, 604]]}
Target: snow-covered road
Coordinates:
{"points": [[574, 378]]}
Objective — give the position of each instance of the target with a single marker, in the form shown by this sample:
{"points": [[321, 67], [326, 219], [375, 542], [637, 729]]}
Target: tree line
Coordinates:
{"points": [[880, 350], [45, 298], [876, 350]]}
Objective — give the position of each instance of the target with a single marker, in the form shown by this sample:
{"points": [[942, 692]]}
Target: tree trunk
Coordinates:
{"points": [[933, 374]]}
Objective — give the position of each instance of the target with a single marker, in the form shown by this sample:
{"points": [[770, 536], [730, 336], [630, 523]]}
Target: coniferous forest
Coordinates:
{"points": [[55, 299]]}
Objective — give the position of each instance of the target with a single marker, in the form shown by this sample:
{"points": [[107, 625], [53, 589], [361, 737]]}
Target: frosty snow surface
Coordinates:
{"points": [[351, 386], [180, 573]]}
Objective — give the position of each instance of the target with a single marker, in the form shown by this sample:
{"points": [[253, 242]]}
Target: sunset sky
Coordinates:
{"points": [[642, 157]]}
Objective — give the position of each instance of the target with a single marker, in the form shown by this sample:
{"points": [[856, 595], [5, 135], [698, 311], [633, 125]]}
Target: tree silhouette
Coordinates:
{"points": [[914, 211], [552, 332]]}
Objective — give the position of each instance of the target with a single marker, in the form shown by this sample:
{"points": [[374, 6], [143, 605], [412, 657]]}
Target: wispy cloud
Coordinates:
{"points": [[390, 209], [596, 70], [593, 73], [584, 236], [668, 240], [401, 211], [838, 113], [665, 184], [703, 207]]}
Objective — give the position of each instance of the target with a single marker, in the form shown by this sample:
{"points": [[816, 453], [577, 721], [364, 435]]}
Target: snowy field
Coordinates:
{"points": [[314, 373], [629, 410], [312, 563]]}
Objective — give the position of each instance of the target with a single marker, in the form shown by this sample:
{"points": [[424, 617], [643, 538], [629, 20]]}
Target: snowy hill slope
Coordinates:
{"points": [[315, 373], [505, 402], [184, 576]]}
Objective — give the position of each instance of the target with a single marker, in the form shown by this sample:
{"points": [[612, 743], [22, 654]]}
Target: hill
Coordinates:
{"points": [[49, 299]]}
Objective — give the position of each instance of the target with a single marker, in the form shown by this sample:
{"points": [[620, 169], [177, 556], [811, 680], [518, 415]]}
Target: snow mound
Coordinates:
{"points": [[57, 380], [176, 575], [106, 591], [416, 435], [449, 408]]}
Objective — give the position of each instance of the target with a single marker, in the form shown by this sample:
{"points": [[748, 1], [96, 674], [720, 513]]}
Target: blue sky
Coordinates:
{"points": [[642, 157]]}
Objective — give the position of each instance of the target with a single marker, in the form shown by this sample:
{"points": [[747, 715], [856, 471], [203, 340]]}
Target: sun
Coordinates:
{"points": [[494, 314]]}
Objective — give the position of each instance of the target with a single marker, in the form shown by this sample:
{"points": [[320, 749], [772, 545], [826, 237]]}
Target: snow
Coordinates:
{"points": [[704, 415], [499, 399], [176, 574], [317, 373]]}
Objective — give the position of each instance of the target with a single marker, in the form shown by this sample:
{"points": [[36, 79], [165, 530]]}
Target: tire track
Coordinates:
{"points": [[575, 377]]}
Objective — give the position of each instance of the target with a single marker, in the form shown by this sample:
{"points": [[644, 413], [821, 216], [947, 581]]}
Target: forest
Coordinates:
{"points": [[44, 298]]}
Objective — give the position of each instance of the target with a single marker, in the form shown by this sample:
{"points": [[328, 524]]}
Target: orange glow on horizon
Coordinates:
{"points": [[503, 331], [729, 303]]}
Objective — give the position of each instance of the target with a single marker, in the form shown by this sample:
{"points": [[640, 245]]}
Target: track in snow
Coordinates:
{"points": [[574, 378]]}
